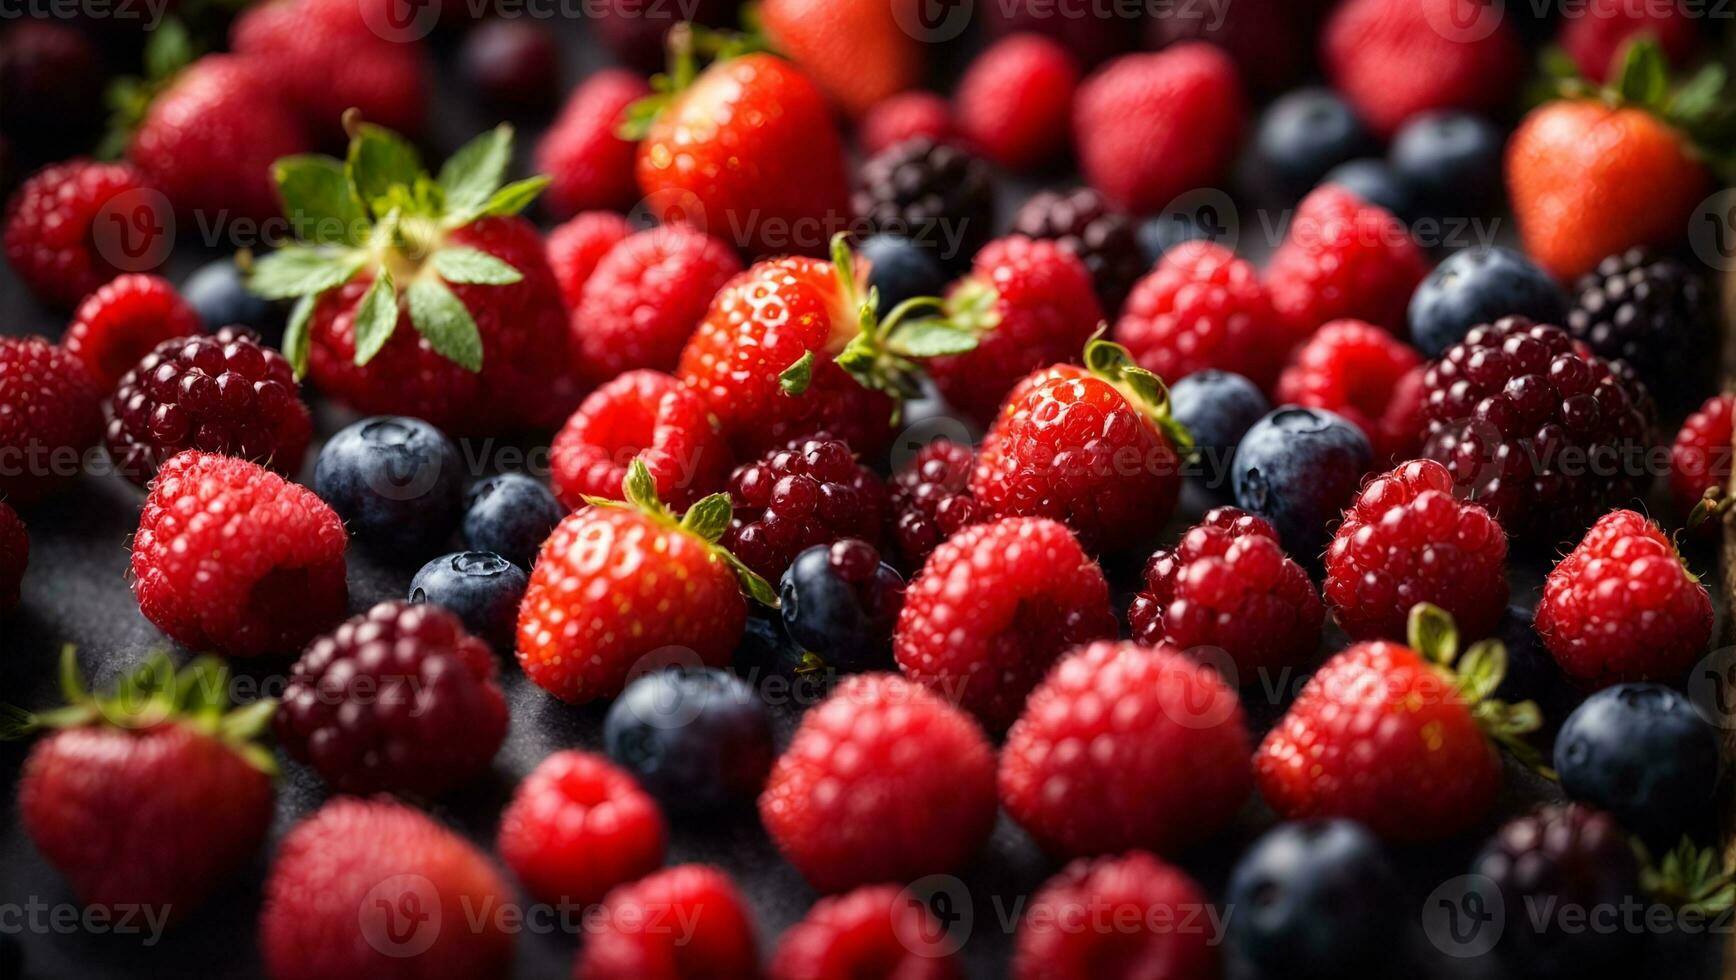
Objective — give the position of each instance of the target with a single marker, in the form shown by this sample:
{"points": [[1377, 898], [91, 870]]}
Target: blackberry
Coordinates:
{"points": [[1097, 234], [397, 699], [223, 393], [840, 601], [813, 492], [931, 499], [1652, 311], [935, 194], [1535, 427]]}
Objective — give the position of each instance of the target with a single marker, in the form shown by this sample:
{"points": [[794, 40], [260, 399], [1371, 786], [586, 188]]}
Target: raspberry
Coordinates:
{"points": [[1700, 456], [122, 321], [851, 800], [399, 698], [1342, 259], [1652, 311], [1015, 101], [1353, 369], [1407, 540], [1597, 37], [1083, 223], [14, 555], [575, 247], [875, 930], [644, 299], [1077, 925], [931, 499], [234, 558], [1622, 607], [812, 492], [1203, 308], [49, 416], [223, 393], [1165, 769], [639, 939], [1227, 585], [640, 415], [589, 165], [904, 116], [935, 194], [1535, 427], [1394, 59], [51, 225], [993, 607], [577, 827]]}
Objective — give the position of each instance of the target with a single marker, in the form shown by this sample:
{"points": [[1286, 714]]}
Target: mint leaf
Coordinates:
{"points": [[297, 342], [931, 338], [318, 200], [449, 327], [475, 172], [379, 160], [513, 198], [460, 264], [376, 317], [295, 271]]}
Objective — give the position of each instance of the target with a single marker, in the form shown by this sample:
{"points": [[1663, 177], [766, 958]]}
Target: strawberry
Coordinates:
{"points": [[151, 795], [1394, 59], [589, 165], [855, 50], [418, 296]]}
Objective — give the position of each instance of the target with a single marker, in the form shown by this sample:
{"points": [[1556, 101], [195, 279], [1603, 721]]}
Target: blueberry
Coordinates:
{"points": [[900, 270], [1299, 468], [695, 738], [1306, 133], [1641, 752], [1376, 183], [840, 601], [1317, 898], [219, 294], [480, 588], [768, 659], [1480, 285], [1450, 161], [1162, 232], [396, 481], [1532, 674], [510, 515], [1218, 407]]}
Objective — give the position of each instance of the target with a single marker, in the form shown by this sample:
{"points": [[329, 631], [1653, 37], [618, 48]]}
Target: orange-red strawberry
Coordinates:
{"points": [[855, 50]]}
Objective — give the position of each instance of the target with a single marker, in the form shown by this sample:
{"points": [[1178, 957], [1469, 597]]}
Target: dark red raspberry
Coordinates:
{"points": [[1344, 258], [931, 499], [636, 940], [1228, 586], [1202, 307], [14, 555], [51, 222], [1097, 234], [639, 415], [399, 698], [1407, 540], [813, 492], [645, 298], [222, 393], [123, 321], [1354, 368], [578, 826], [576, 246], [904, 116], [1536, 428], [874, 931], [1622, 607], [1115, 917], [49, 415], [1700, 457]]}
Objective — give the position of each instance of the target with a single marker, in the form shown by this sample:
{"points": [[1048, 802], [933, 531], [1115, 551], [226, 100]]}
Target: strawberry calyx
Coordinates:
{"points": [[706, 521], [379, 214], [1689, 878], [1476, 674], [687, 43], [1697, 107], [1143, 390], [151, 695]]}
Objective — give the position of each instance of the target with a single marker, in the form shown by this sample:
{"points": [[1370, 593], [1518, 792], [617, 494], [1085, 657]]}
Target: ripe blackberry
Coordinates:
{"points": [[1097, 234], [813, 492], [224, 393], [931, 499], [935, 194], [1652, 311], [399, 699], [1535, 427]]}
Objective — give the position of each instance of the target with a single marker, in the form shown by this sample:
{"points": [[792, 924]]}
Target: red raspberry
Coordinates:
{"points": [[874, 931], [1700, 457], [1344, 259], [1015, 101], [576, 246], [122, 321], [578, 826], [1166, 768], [1597, 36], [1622, 607], [1228, 586], [1393, 59], [852, 800], [905, 116], [1407, 540], [590, 167], [1034, 305], [51, 221], [688, 921], [49, 416], [1403, 422], [645, 298], [234, 558], [931, 499], [640, 415], [812, 492], [1077, 925], [1354, 369], [1202, 307], [14, 556], [399, 698], [993, 607], [373, 888], [222, 393]]}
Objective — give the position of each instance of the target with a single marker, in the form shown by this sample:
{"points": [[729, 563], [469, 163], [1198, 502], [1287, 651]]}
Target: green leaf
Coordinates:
{"points": [[442, 318], [974, 305], [475, 172], [636, 119], [931, 338], [376, 317], [1699, 96], [72, 689], [1558, 65], [757, 589], [297, 341], [202, 690], [259, 757], [248, 721], [1644, 78], [1432, 633], [457, 263], [708, 517], [295, 271], [168, 49], [145, 692], [514, 197], [318, 200], [378, 161], [1480, 670], [640, 489], [795, 379]]}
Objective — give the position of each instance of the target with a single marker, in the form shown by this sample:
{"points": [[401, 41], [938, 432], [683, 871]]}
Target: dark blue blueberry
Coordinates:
{"points": [[1218, 407], [1162, 232], [219, 294], [1450, 161], [695, 738], [900, 270], [510, 515], [1304, 134], [397, 482], [1299, 468], [841, 601], [1317, 898], [1480, 285], [1643, 753], [1375, 183], [479, 587], [770, 661]]}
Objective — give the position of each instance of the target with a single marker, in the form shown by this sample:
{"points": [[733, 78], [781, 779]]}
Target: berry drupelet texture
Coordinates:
{"points": [[931, 499], [125, 320], [1653, 311], [1100, 236], [812, 492], [578, 826], [935, 194]]}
